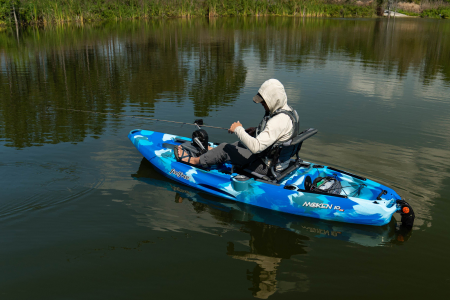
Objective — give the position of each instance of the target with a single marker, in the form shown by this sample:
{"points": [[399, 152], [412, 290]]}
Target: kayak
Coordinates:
{"points": [[252, 217], [303, 192]]}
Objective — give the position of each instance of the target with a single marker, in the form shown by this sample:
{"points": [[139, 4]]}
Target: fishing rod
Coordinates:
{"points": [[198, 122]]}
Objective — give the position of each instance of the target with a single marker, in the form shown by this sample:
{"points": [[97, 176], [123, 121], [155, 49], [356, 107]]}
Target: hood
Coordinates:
{"points": [[273, 93]]}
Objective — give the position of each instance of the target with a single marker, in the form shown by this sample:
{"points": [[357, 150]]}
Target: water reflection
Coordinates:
{"points": [[131, 66], [376, 90], [137, 67], [48, 184], [273, 236], [268, 244]]}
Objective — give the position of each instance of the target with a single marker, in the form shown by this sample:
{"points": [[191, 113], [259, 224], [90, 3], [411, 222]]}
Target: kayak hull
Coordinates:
{"points": [[362, 205]]}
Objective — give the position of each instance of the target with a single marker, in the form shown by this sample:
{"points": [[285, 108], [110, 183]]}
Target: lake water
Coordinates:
{"points": [[83, 216]]}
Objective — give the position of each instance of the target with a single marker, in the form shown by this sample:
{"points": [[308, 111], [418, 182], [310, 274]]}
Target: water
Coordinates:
{"points": [[83, 216]]}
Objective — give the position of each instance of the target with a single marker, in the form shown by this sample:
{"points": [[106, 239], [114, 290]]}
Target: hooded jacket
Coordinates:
{"points": [[279, 128]]}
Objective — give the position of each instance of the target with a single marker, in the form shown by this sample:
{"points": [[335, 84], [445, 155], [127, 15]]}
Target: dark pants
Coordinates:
{"points": [[235, 153]]}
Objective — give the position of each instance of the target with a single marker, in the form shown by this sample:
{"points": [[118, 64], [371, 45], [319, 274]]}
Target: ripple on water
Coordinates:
{"points": [[33, 186]]}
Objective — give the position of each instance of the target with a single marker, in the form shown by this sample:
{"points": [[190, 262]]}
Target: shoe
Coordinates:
{"points": [[185, 154]]}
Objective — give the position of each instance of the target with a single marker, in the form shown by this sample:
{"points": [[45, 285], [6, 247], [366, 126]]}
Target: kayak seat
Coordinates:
{"points": [[261, 171], [286, 150], [289, 149]]}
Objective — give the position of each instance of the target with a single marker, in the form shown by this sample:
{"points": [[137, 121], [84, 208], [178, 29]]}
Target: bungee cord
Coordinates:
{"points": [[353, 193]]}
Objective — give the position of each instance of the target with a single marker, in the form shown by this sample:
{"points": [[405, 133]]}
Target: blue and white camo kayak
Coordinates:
{"points": [[237, 213], [360, 201]]}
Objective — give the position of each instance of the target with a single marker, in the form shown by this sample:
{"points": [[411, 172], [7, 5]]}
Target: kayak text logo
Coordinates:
{"points": [[321, 205], [179, 174]]}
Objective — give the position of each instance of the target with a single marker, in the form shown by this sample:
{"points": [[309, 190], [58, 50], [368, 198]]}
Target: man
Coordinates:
{"points": [[280, 124]]}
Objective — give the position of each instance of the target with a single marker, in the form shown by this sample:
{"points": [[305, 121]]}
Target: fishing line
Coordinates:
{"points": [[200, 124]]}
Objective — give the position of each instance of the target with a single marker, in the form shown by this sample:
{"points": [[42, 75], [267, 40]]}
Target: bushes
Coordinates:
{"points": [[359, 11], [441, 12], [412, 8], [46, 11], [5, 11], [57, 11], [408, 13], [426, 9]]}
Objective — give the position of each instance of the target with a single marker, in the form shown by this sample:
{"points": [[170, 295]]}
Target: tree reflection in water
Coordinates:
{"points": [[131, 66]]}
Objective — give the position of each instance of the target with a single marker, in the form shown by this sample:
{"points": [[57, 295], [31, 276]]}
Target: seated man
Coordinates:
{"points": [[279, 124]]}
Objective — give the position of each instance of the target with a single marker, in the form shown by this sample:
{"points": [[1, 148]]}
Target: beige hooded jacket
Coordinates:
{"points": [[278, 128]]}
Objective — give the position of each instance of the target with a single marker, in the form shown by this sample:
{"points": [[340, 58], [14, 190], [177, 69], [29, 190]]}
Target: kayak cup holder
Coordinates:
{"points": [[240, 183]]}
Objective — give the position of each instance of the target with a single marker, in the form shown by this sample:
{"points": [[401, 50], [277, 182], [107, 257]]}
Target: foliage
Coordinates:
{"points": [[408, 13], [424, 8], [58, 11], [441, 12]]}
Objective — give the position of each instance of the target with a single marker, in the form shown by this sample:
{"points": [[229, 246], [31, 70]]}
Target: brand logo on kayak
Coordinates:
{"points": [[322, 205], [179, 174]]}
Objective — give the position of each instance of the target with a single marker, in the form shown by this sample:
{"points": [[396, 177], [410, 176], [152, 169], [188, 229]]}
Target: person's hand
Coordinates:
{"points": [[251, 131], [234, 126]]}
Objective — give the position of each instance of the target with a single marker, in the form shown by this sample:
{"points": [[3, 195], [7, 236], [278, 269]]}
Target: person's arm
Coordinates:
{"points": [[275, 128], [251, 131]]}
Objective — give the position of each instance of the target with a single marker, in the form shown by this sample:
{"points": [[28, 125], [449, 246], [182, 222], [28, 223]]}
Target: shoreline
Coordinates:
{"points": [[35, 12], [23, 13], [4, 27]]}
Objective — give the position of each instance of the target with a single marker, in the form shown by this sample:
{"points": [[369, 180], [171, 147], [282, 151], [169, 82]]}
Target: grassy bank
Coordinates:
{"points": [[439, 9], [440, 12], [435, 13], [51, 11], [59, 11]]}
